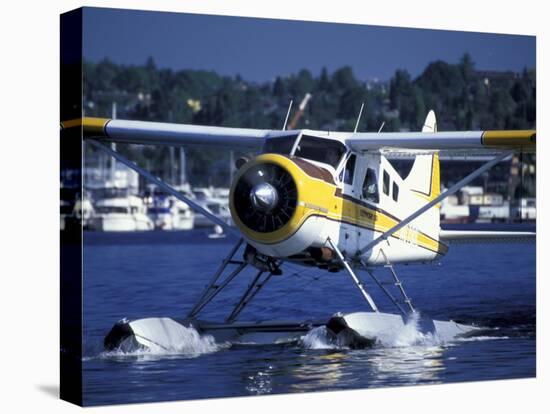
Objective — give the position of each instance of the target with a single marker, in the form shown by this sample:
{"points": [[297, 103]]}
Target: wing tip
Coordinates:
{"points": [[91, 126], [517, 138]]}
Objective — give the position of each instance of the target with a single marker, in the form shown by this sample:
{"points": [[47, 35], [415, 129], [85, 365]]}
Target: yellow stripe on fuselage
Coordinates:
{"points": [[356, 214], [319, 198]]}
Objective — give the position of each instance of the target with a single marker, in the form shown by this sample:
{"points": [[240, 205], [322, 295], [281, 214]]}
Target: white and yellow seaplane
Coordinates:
{"points": [[317, 198]]}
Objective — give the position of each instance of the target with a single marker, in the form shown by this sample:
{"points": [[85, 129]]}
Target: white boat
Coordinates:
{"points": [[452, 212], [169, 213], [183, 216], [120, 214], [76, 213], [215, 201], [217, 207], [218, 233], [84, 211], [524, 209], [159, 211], [69, 196]]}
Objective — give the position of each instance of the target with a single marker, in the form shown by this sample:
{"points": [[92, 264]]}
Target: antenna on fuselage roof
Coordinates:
{"points": [[381, 126], [287, 113], [359, 117]]}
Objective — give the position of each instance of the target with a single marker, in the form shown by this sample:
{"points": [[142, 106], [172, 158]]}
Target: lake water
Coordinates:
{"points": [[148, 274]]}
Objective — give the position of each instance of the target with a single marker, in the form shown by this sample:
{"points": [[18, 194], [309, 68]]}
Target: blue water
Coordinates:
{"points": [[161, 273]]}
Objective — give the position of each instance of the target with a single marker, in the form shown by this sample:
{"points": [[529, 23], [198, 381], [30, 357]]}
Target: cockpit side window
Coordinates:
{"points": [[349, 170], [386, 183], [395, 193], [370, 186], [327, 151], [279, 145]]}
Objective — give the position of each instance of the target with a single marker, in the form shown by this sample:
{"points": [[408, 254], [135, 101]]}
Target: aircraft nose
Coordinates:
{"points": [[264, 197]]}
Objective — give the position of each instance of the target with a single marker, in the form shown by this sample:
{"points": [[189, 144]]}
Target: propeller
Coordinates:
{"points": [[265, 197]]}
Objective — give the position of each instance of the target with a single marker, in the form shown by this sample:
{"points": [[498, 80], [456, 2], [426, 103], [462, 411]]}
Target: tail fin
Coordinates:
{"points": [[424, 178], [430, 124]]}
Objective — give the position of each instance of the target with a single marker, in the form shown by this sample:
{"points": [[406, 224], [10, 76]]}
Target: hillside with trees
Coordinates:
{"points": [[464, 98]]}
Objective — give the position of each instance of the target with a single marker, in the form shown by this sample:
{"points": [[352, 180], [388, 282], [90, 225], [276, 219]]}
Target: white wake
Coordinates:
{"points": [[408, 335], [190, 344], [318, 338]]}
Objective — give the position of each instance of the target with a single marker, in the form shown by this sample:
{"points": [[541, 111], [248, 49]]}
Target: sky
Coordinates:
{"points": [[261, 49]]}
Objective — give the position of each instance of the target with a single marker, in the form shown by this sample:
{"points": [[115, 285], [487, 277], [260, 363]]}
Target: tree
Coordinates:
{"points": [[350, 102], [301, 84], [324, 81], [461, 98], [466, 66], [400, 88], [344, 79], [279, 89]]}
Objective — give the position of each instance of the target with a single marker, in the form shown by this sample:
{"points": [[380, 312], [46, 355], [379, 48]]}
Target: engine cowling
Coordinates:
{"points": [[278, 203], [265, 197]]}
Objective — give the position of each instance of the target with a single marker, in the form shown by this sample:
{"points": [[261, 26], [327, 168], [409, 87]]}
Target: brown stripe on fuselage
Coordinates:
{"points": [[313, 170]]}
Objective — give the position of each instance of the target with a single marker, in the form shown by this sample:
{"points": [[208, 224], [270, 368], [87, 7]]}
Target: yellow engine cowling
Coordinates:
{"points": [[281, 204]]}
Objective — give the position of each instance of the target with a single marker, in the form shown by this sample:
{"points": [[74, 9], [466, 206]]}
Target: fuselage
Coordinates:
{"points": [[287, 205]]}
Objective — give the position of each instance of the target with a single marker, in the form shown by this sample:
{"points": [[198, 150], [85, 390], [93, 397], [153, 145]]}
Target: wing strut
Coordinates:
{"points": [[211, 285], [196, 207], [472, 176], [356, 280], [252, 290]]}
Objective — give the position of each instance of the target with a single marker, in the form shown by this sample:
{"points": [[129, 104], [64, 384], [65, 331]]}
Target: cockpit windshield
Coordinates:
{"points": [[327, 151], [279, 145]]}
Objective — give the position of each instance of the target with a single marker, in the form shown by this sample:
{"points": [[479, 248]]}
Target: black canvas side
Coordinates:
{"points": [[70, 193]]}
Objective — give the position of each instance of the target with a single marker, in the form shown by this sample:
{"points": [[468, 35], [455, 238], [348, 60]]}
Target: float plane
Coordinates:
{"points": [[326, 199]]}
